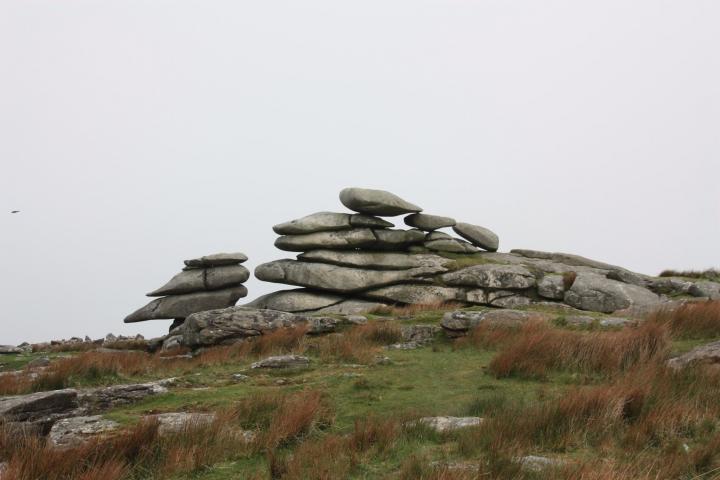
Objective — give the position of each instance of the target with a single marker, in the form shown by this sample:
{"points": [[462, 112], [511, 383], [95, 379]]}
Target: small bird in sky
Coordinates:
{"points": [[15, 211]]}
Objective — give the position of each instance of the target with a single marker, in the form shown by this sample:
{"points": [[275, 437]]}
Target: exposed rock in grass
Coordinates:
{"points": [[74, 431], [38, 406], [39, 362], [534, 463], [459, 322], [449, 424], [176, 422], [9, 350], [104, 398], [229, 325], [282, 361], [704, 354]]}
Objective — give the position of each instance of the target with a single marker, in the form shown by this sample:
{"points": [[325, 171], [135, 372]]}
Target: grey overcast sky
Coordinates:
{"points": [[137, 133]]}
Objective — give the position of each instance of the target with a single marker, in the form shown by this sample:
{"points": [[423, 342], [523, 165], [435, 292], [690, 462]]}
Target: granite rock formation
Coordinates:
{"points": [[205, 283]]}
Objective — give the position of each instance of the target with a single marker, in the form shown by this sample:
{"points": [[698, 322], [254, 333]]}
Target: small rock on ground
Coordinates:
{"points": [[448, 424], [282, 361]]}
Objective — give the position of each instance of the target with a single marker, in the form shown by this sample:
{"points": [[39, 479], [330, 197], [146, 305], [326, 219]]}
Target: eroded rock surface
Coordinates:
{"points": [[600, 294], [376, 202]]}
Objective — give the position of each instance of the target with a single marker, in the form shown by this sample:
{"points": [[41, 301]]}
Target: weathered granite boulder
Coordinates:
{"points": [[498, 298], [419, 334], [282, 361], [438, 236], [352, 307], [708, 354], [299, 300], [176, 422], [217, 260], [449, 424], [670, 286], [9, 350], [374, 260], [74, 431], [552, 287], [537, 464], [229, 325], [450, 245], [600, 294], [565, 258], [95, 400], [459, 322], [417, 294], [180, 306], [586, 320], [376, 202], [334, 278], [329, 221], [397, 239], [201, 279], [38, 406], [710, 290], [428, 222], [343, 239], [492, 275], [478, 236]]}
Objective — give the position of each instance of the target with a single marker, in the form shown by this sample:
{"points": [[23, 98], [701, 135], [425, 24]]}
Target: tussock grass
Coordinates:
{"points": [[537, 348], [711, 274], [359, 344], [693, 320], [92, 367]]}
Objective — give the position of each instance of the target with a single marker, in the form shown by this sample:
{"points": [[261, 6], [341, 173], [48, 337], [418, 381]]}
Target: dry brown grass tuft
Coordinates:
{"points": [[711, 274], [568, 279], [691, 320], [538, 348], [360, 343], [138, 452], [374, 433]]}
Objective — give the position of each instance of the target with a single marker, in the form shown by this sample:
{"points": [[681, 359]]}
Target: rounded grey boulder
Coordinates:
{"points": [[428, 222], [478, 236], [376, 202]]}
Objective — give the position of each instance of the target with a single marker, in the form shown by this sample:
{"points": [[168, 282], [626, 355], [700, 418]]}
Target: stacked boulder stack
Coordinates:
{"points": [[205, 283], [355, 262]]}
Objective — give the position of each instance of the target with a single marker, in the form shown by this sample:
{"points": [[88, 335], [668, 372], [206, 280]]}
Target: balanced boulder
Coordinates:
{"points": [[478, 236], [206, 283], [376, 202]]}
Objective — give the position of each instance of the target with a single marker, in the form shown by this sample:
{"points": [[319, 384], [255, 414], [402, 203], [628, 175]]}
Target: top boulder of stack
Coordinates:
{"points": [[376, 202], [216, 260]]}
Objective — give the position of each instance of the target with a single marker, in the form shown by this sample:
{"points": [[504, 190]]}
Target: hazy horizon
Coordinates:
{"points": [[138, 134]]}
